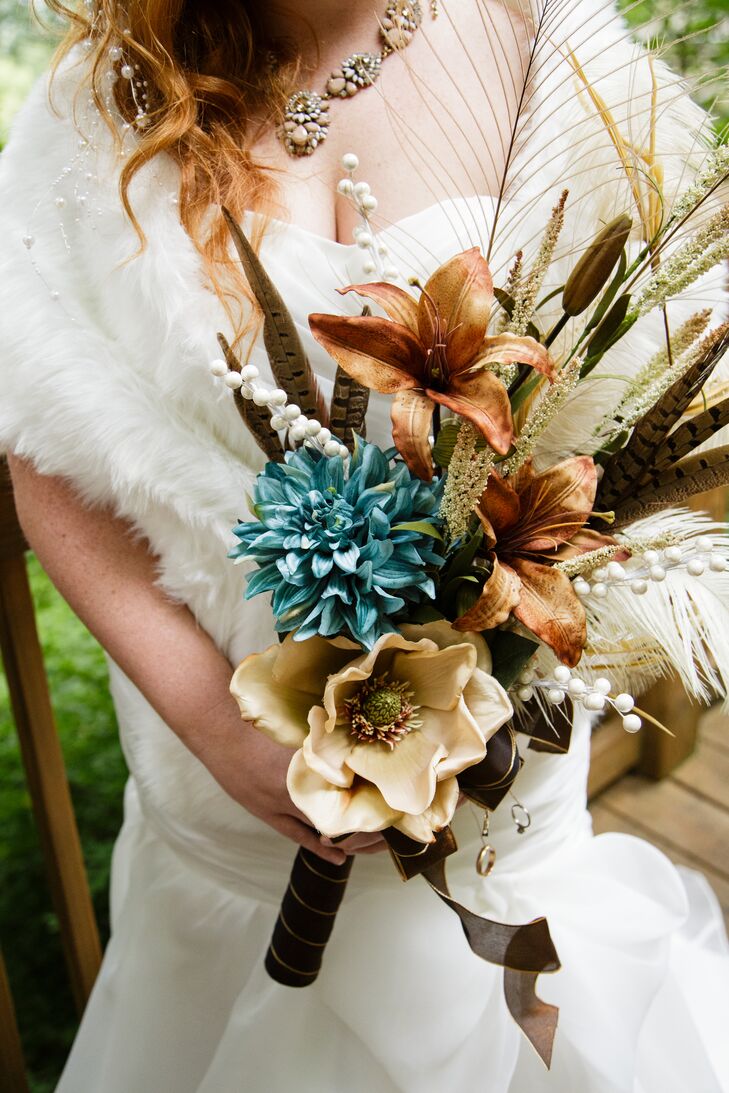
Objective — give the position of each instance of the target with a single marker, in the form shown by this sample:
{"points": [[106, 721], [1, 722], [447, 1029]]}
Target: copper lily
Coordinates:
{"points": [[530, 522], [433, 350]]}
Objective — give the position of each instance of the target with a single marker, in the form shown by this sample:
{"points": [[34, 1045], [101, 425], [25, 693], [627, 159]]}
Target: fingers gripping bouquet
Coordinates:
{"points": [[431, 596]]}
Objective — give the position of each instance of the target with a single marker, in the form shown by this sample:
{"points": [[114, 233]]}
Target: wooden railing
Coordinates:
{"points": [[47, 783]]}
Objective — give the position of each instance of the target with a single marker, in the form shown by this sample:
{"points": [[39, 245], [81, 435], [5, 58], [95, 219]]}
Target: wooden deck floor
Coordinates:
{"points": [[687, 814]]}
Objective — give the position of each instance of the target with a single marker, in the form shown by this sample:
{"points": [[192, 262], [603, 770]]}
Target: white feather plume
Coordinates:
{"points": [[679, 625]]}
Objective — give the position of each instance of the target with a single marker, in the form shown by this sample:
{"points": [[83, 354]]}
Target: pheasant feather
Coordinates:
{"points": [[348, 408], [696, 474], [286, 355], [256, 418], [690, 434], [628, 466]]}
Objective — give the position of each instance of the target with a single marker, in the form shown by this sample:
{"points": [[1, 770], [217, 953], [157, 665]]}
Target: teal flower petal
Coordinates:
{"points": [[321, 565], [324, 543], [347, 559]]}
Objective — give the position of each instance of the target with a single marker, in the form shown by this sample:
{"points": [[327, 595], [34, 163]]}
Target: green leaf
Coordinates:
{"points": [[459, 578], [550, 296], [613, 327], [523, 391], [506, 300], [446, 442], [612, 446], [509, 652], [421, 526], [461, 560], [466, 597], [449, 592], [425, 612]]}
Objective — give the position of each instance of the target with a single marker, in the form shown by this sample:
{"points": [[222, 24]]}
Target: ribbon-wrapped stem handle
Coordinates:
{"points": [[306, 919], [315, 892]]}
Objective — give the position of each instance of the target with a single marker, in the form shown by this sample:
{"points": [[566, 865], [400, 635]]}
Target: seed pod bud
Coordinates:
{"points": [[593, 270]]}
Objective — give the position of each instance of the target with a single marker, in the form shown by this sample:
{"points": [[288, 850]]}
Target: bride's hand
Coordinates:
{"points": [[254, 775], [96, 560]]}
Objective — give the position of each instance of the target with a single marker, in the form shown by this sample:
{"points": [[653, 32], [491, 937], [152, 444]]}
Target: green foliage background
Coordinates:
{"points": [[75, 664], [28, 927], [699, 31]]}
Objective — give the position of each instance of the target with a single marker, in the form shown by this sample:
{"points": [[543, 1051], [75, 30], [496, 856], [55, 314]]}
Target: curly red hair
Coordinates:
{"points": [[208, 76]]}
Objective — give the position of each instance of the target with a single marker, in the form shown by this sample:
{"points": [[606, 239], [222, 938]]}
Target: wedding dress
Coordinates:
{"points": [[105, 379]]}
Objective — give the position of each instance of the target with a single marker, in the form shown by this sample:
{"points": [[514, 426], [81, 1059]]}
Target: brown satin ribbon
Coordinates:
{"points": [[522, 951], [489, 781], [413, 858], [306, 919], [545, 737]]}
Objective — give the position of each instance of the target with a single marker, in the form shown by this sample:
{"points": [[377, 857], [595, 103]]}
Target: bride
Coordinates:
{"points": [[130, 467]]}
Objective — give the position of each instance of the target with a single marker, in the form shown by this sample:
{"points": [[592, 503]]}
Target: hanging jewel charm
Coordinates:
{"points": [[486, 858], [521, 816], [306, 122]]}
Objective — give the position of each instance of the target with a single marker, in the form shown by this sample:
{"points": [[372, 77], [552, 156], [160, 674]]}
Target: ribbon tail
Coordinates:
{"points": [[537, 1019], [522, 951]]}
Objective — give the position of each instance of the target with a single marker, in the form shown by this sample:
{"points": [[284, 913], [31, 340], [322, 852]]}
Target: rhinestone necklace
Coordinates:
{"points": [[306, 118]]}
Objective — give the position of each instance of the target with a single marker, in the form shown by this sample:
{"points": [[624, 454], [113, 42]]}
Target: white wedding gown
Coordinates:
{"points": [[110, 386], [183, 1004]]}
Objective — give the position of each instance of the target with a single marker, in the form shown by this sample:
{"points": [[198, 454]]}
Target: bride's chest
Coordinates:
{"points": [[434, 125]]}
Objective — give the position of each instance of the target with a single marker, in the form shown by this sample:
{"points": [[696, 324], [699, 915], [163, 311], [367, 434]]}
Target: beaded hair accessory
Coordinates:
{"points": [[306, 118]]}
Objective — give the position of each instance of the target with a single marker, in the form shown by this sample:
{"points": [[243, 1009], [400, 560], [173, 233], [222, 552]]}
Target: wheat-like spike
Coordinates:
{"points": [[628, 466], [286, 355], [700, 472], [348, 408], [256, 418], [675, 346], [683, 440]]}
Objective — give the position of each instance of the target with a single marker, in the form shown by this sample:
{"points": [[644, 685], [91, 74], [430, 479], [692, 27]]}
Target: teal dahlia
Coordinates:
{"points": [[342, 552]]}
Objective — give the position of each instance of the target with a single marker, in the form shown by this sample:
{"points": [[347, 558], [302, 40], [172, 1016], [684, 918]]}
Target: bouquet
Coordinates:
{"points": [[432, 597]]}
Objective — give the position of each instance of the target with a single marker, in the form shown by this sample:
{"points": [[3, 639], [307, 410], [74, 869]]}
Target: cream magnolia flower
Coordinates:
{"points": [[381, 735]]}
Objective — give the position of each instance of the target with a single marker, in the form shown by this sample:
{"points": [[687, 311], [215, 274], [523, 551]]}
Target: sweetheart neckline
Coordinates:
{"points": [[395, 225]]}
